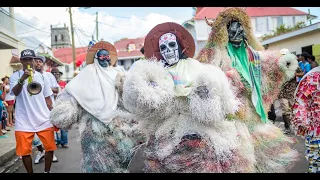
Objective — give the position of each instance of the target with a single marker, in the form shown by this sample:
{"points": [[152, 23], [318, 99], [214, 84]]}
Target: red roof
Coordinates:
{"points": [[122, 46], [212, 12], [65, 54]]}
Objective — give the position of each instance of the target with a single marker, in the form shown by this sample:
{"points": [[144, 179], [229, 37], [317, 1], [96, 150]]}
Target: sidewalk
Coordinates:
{"points": [[7, 148]]}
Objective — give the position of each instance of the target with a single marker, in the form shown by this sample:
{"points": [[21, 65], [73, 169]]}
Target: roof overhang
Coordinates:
{"points": [[51, 58], [15, 61], [7, 41], [298, 32]]}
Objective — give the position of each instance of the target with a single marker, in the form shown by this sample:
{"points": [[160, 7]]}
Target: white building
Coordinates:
{"points": [[264, 21]]}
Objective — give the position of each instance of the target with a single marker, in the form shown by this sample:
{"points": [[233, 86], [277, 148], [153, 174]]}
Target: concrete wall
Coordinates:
{"points": [[294, 44]]}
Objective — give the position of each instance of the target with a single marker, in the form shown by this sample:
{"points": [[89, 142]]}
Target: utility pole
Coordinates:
{"points": [[309, 14], [72, 37], [97, 26]]}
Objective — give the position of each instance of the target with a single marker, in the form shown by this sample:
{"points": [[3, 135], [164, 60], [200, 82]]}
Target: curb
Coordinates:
{"points": [[11, 162], [7, 156]]}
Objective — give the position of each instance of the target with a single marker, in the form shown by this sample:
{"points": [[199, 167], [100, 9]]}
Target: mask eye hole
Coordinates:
{"points": [[172, 44], [163, 47]]}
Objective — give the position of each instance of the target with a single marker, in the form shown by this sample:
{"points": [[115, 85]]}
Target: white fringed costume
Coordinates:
{"points": [[272, 148], [186, 109], [91, 101]]}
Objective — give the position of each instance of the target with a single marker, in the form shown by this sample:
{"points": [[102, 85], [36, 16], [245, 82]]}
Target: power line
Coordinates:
{"points": [[83, 32], [47, 37], [80, 39], [34, 16], [120, 27], [15, 41], [27, 32], [9, 15]]}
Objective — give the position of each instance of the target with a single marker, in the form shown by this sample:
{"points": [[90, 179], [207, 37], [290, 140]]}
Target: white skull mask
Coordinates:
{"points": [[169, 48]]}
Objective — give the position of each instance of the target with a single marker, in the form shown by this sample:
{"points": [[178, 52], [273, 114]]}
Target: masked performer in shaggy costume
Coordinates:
{"points": [[256, 76], [91, 99], [185, 109]]}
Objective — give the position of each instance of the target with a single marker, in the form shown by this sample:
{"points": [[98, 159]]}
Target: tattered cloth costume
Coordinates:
{"points": [[306, 121], [256, 76], [183, 108], [91, 99]]}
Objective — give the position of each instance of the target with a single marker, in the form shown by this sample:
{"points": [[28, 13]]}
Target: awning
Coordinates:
{"points": [[51, 58], [15, 60]]}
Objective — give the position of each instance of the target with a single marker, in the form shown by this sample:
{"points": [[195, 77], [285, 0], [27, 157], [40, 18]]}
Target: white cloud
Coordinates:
{"points": [[111, 28]]}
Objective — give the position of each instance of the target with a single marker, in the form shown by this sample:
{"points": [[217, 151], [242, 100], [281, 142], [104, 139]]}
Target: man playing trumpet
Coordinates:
{"points": [[32, 112]]}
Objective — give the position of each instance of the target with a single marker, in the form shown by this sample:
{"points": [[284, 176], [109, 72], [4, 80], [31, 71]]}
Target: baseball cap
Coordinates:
{"points": [[42, 58], [56, 70], [27, 53]]}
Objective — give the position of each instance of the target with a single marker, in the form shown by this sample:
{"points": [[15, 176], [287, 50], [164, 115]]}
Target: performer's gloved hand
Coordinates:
{"points": [[203, 92]]}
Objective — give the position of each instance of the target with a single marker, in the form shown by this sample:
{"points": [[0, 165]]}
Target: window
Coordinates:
{"points": [[259, 24], [294, 20], [131, 47], [279, 21], [62, 37], [67, 67], [270, 24], [55, 38]]}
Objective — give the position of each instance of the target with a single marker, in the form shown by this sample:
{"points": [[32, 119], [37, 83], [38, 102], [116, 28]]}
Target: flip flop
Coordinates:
{"points": [[3, 136]]}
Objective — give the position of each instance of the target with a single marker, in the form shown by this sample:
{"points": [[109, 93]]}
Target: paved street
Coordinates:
{"points": [[69, 159]]}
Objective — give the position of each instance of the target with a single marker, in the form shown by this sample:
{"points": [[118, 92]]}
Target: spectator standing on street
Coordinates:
{"points": [[2, 97], [39, 67], [312, 61], [62, 139], [32, 112], [306, 121], [57, 74], [9, 100], [304, 65]]}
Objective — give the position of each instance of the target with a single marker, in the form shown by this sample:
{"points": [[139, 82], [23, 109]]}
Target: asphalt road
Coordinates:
{"points": [[69, 159]]}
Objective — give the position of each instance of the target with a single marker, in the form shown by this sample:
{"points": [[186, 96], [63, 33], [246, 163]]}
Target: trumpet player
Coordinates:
{"points": [[32, 112]]}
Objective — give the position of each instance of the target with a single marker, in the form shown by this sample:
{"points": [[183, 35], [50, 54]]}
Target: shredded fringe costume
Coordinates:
{"points": [[256, 76], [107, 145], [306, 121], [187, 133], [186, 111]]}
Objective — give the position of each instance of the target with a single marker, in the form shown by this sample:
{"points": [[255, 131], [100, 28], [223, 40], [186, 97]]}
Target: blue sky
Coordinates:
{"points": [[114, 22]]}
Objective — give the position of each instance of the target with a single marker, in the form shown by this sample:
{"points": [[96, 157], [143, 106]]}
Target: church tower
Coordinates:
{"points": [[60, 37]]}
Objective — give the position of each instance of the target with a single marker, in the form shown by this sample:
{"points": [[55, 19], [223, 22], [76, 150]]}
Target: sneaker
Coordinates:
{"points": [[4, 131], [39, 157], [54, 159]]}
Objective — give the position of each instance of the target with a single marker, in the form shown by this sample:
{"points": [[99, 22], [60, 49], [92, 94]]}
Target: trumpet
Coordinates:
{"points": [[33, 87]]}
